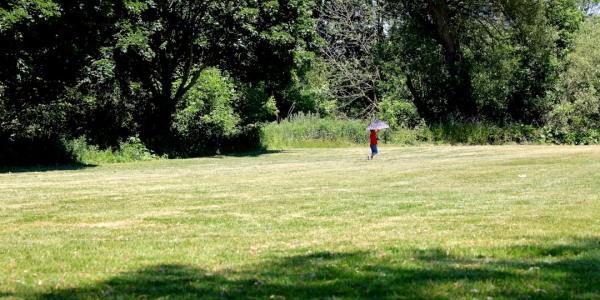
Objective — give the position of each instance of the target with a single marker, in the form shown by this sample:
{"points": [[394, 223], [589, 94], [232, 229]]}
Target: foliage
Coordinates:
{"points": [[498, 58], [205, 114], [351, 30], [271, 40], [310, 130], [45, 46], [30, 125], [313, 131], [101, 102], [575, 117], [17, 12], [128, 64], [256, 105], [108, 70], [129, 150], [23, 151], [162, 48], [165, 46], [398, 113], [484, 133], [310, 90]]}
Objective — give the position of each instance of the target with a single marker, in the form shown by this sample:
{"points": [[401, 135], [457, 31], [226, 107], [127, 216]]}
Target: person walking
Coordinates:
{"points": [[373, 143], [374, 127]]}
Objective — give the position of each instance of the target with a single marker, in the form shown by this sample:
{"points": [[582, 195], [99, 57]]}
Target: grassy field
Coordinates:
{"points": [[417, 222]]}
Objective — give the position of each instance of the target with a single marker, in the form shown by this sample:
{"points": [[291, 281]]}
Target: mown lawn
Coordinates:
{"points": [[421, 222]]}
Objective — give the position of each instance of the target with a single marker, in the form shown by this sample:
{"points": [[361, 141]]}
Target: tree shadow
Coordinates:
{"points": [[423, 274], [46, 168]]}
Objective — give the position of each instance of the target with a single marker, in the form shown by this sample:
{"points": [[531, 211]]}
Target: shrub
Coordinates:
{"points": [[31, 134], [309, 90], [255, 104], [247, 139], [398, 113], [206, 115], [575, 118], [129, 150], [484, 133], [33, 151]]}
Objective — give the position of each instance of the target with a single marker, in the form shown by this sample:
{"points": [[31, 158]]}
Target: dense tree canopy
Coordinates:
{"points": [[188, 77], [482, 59], [109, 69]]}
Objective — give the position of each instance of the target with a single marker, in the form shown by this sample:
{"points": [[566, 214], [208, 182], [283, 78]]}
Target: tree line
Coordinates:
{"points": [[193, 77]]}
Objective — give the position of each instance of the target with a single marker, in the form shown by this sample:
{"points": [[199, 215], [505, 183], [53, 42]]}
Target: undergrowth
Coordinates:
{"points": [[312, 131], [128, 151]]}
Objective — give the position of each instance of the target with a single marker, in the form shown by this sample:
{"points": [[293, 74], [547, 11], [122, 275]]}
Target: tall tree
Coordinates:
{"points": [[45, 45], [443, 23], [352, 30], [167, 41], [470, 59]]}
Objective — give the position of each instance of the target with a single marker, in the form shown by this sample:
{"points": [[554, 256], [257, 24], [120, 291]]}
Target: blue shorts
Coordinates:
{"points": [[374, 149]]}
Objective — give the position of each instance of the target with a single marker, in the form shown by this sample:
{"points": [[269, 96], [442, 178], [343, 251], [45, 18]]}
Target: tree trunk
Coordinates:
{"points": [[155, 130], [461, 99]]}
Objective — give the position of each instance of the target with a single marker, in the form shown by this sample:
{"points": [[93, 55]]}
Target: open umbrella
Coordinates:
{"points": [[377, 125]]}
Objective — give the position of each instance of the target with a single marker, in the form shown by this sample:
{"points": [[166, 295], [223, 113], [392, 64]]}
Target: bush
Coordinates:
{"points": [[62, 151], [32, 134], [255, 104], [246, 140], [575, 118], [21, 152], [129, 150], [309, 90], [206, 114], [573, 122], [483, 133], [399, 113]]}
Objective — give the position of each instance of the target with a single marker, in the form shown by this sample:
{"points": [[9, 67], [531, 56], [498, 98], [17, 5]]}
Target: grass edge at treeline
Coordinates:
{"points": [[315, 132], [312, 131]]}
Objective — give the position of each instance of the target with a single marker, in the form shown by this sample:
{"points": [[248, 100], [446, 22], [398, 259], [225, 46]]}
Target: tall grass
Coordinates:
{"points": [[312, 131]]}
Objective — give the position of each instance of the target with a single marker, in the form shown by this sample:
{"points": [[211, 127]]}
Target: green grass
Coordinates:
{"points": [[499, 222]]}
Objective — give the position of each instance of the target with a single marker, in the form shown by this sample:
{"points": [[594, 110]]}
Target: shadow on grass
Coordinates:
{"points": [[48, 168], [535, 272]]}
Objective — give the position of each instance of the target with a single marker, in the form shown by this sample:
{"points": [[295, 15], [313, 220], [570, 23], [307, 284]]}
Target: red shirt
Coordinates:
{"points": [[373, 138]]}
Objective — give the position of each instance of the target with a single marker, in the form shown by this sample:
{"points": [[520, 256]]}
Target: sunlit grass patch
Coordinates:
{"points": [[417, 222]]}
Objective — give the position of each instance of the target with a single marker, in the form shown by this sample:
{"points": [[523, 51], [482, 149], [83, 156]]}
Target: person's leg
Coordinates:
{"points": [[373, 151]]}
